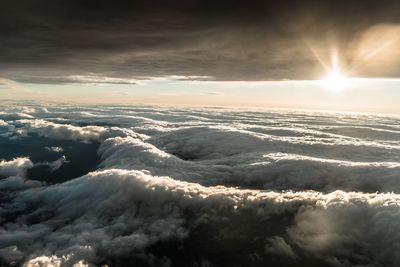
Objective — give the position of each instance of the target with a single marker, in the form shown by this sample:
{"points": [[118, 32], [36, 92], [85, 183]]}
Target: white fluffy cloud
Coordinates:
{"points": [[273, 171], [71, 132], [63, 131], [17, 166]]}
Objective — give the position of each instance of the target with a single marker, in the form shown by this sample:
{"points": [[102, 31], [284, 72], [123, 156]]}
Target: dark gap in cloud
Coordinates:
{"points": [[82, 157]]}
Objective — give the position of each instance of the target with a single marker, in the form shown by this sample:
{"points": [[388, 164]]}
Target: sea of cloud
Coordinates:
{"points": [[200, 187]]}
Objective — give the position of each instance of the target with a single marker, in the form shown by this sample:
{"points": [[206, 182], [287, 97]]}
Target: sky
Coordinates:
{"points": [[203, 52]]}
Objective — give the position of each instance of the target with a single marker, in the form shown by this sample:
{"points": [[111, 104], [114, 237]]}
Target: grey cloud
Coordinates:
{"points": [[278, 245], [55, 149], [13, 184], [151, 209], [54, 165], [72, 79], [15, 116], [48, 42], [333, 230]]}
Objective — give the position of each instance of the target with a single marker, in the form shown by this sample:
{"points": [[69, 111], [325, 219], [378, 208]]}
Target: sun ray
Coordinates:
{"points": [[335, 80]]}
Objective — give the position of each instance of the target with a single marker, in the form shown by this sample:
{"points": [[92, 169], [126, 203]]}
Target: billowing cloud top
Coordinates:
{"points": [[198, 187], [67, 41]]}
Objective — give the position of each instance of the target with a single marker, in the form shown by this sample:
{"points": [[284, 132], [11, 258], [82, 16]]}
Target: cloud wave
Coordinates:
{"points": [[202, 187]]}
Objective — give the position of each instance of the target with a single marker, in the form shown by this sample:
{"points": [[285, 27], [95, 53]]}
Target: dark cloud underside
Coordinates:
{"points": [[47, 41]]}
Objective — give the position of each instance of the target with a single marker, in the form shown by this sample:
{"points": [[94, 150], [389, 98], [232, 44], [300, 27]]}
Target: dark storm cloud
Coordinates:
{"points": [[48, 41]]}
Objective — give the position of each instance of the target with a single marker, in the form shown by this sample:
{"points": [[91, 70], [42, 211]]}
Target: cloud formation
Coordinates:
{"points": [[17, 166], [179, 187], [64, 42], [158, 209], [54, 165], [55, 149]]}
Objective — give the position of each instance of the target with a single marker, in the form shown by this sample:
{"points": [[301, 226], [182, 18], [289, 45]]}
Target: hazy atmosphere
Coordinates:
{"points": [[199, 133]]}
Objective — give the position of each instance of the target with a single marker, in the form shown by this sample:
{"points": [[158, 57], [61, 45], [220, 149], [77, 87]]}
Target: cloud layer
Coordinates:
{"points": [[203, 187], [99, 41]]}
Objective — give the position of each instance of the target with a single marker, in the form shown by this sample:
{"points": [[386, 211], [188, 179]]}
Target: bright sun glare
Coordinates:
{"points": [[335, 81]]}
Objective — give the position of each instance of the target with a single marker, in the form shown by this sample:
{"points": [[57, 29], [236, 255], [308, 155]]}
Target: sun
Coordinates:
{"points": [[335, 81]]}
